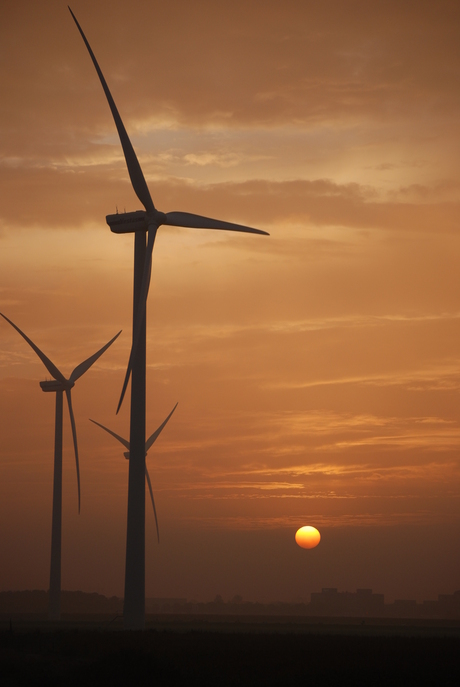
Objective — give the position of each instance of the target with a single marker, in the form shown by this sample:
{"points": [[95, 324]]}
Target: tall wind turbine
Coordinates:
{"points": [[143, 223], [60, 385], [148, 444]]}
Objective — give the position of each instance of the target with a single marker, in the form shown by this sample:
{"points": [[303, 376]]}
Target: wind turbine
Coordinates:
{"points": [[143, 223], [60, 385], [148, 444]]}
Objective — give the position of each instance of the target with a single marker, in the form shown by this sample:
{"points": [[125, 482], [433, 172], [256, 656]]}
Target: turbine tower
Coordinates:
{"points": [[143, 223], [60, 385], [148, 444]]}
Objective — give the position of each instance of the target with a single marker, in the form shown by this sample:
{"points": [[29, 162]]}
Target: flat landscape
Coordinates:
{"points": [[222, 651]]}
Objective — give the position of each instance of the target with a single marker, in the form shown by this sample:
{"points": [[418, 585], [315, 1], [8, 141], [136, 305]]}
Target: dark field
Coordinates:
{"points": [[334, 655]]}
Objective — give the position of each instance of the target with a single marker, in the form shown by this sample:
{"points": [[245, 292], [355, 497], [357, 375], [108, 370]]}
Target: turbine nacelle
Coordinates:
{"points": [[56, 385], [127, 455], [129, 222]]}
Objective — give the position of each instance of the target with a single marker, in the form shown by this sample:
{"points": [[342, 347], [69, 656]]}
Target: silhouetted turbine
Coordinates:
{"points": [[141, 222], [152, 218], [150, 441], [59, 386]]}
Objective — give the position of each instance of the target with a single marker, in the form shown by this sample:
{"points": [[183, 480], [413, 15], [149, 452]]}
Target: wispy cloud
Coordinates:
{"points": [[444, 376], [318, 519]]}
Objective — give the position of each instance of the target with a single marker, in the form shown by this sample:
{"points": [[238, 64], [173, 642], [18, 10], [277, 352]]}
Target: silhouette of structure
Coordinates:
{"points": [[360, 605], [148, 444], [332, 602], [60, 385], [143, 223]]}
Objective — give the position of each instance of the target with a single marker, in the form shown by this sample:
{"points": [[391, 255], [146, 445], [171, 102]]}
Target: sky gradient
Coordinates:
{"points": [[317, 370]]}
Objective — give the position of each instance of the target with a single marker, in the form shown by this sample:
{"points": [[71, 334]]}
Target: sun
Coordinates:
{"points": [[307, 537]]}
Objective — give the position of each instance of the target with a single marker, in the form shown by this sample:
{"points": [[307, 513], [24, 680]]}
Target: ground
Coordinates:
{"points": [[330, 655]]}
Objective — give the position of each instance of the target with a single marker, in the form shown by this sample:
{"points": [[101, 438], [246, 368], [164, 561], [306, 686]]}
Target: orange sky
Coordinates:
{"points": [[317, 370]]}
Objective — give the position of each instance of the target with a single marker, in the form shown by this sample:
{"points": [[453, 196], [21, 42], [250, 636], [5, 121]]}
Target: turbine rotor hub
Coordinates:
{"points": [[160, 218]]}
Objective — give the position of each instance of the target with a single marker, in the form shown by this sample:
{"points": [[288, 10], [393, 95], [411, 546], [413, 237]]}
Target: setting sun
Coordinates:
{"points": [[307, 537]]}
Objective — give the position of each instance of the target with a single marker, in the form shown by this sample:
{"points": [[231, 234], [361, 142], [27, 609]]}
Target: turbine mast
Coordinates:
{"points": [[54, 600], [134, 601], [141, 222]]}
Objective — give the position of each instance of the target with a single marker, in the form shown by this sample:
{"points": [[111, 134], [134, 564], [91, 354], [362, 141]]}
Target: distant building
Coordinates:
{"points": [[363, 603], [404, 608], [449, 605], [446, 606]]}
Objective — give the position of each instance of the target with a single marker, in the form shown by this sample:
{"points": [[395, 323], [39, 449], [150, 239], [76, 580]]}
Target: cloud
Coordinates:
{"points": [[327, 521], [66, 197], [295, 62]]}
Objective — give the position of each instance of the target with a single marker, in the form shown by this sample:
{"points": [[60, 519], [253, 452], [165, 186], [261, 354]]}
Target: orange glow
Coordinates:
{"points": [[317, 370], [307, 537]]}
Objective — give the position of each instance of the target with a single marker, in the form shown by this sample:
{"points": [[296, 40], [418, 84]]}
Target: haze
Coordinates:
{"points": [[317, 371]]}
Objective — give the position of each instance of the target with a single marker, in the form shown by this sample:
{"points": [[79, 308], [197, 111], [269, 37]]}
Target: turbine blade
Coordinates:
{"points": [[135, 172], [86, 364], [153, 502], [187, 219], [52, 369], [74, 435], [125, 384], [117, 436], [153, 437], [140, 316]]}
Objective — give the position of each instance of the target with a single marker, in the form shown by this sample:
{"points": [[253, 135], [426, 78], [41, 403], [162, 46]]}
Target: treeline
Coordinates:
{"points": [[36, 602]]}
